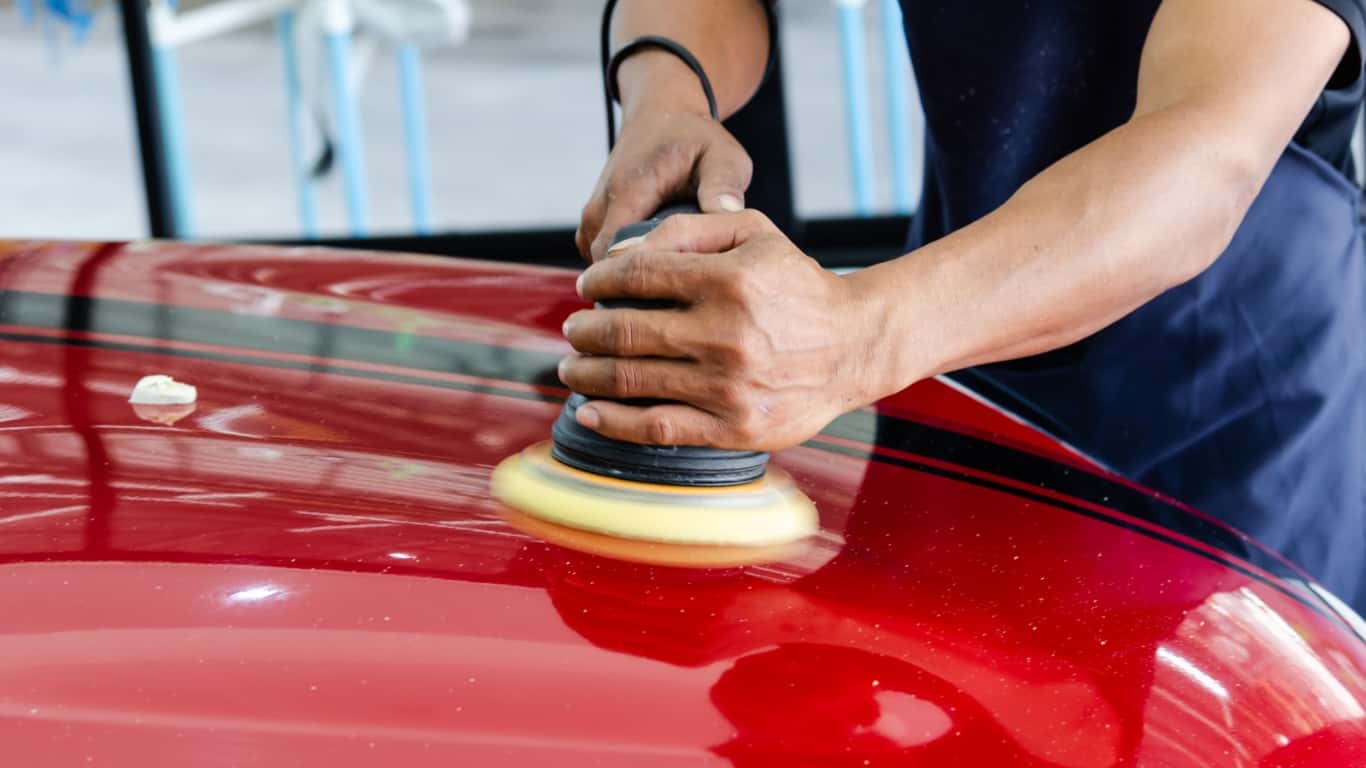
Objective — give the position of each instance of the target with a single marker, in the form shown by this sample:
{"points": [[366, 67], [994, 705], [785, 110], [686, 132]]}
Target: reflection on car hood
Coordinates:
{"points": [[306, 566]]}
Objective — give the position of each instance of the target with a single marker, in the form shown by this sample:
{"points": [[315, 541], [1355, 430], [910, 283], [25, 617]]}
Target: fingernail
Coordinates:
{"points": [[588, 416], [564, 328], [624, 244], [559, 369], [578, 285], [730, 203]]}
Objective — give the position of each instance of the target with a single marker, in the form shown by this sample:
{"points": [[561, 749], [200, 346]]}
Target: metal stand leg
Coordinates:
{"points": [[415, 136], [161, 215], [855, 72], [169, 115], [898, 107], [296, 111], [50, 31], [350, 148]]}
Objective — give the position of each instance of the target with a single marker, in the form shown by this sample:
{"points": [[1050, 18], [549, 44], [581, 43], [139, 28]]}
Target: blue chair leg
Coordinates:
{"points": [[415, 136], [855, 71], [51, 34], [349, 137], [296, 113], [898, 103], [170, 116]]}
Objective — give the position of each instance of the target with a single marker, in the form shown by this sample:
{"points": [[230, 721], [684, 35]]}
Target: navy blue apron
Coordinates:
{"points": [[1241, 392]]}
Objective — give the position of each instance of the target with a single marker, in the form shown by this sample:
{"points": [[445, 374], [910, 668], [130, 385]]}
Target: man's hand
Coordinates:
{"points": [[765, 350], [661, 156], [669, 147]]}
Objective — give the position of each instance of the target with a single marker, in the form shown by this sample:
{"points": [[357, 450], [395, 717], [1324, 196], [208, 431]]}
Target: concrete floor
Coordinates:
{"points": [[514, 116]]}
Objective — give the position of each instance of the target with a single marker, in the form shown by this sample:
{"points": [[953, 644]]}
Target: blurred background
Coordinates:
{"points": [[510, 102]]}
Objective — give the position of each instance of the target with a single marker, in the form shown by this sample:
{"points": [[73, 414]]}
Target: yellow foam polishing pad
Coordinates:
{"points": [[768, 511], [652, 552]]}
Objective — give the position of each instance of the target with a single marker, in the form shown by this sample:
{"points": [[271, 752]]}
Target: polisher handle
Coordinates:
{"points": [[679, 465], [640, 229]]}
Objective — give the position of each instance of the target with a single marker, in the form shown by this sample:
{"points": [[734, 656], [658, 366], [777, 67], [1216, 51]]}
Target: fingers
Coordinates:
{"points": [[671, 424], [705, 233], [645, 275], [626, 208], [625, 378], [723, 174], [627, 332], [638, 184], [657, 159], [590, 223]]}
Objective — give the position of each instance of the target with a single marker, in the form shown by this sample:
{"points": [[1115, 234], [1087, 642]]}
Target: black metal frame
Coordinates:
{"points": [[161, 214], [834, 242], [761, 126]]}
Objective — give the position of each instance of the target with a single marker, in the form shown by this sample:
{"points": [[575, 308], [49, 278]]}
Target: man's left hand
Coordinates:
{"points": [[764, 349]]}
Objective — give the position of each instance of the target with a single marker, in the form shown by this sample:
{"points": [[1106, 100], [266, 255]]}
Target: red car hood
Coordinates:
{"points": [[308, 568]]}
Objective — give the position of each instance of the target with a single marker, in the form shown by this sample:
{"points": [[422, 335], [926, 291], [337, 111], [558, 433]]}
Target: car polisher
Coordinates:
{"points": [[669, 494]]}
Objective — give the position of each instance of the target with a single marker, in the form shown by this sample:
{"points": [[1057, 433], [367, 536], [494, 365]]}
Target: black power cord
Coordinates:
{"points": [[611, 62], [640, 44]]}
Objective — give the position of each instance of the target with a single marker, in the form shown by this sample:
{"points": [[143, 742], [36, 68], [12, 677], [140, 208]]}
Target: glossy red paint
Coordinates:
{"points": [[308, 569]]}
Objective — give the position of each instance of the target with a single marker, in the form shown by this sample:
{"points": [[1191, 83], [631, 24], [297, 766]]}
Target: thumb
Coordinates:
{"points": [[723, 174]]}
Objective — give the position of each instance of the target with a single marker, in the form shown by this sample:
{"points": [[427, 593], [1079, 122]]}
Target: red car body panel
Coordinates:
{"points": [[308, 568]]}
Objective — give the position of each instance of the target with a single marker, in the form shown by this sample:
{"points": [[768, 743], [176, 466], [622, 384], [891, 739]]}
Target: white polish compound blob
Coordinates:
{"points": [[160, 389]]}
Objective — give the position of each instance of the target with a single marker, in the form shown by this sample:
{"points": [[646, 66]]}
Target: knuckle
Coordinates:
{"points": [[623, 380], [595, 252], [744, 163], [635, 274], [671, 229], [755, 221], [611, 187], [732, 356], [739, 159], [747, 428], [747, 347], [583, 239], [728, 281], [743, 355], [591, 209], [746, 285], [619, 337], [676, 233], [731, 395], [659, 430]]}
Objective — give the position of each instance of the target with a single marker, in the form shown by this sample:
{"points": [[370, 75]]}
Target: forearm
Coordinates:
{"points": [[766, 347], [1222, 88], [1081, 245], [728, 37]]}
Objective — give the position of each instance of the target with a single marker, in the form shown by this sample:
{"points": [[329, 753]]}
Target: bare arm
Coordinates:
{"points": [[770, 347], [1222, 88], [669, 146], [728, 37]]}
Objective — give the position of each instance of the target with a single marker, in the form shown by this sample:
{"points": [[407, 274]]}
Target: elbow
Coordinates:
{"points": [[1231, 184]]}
